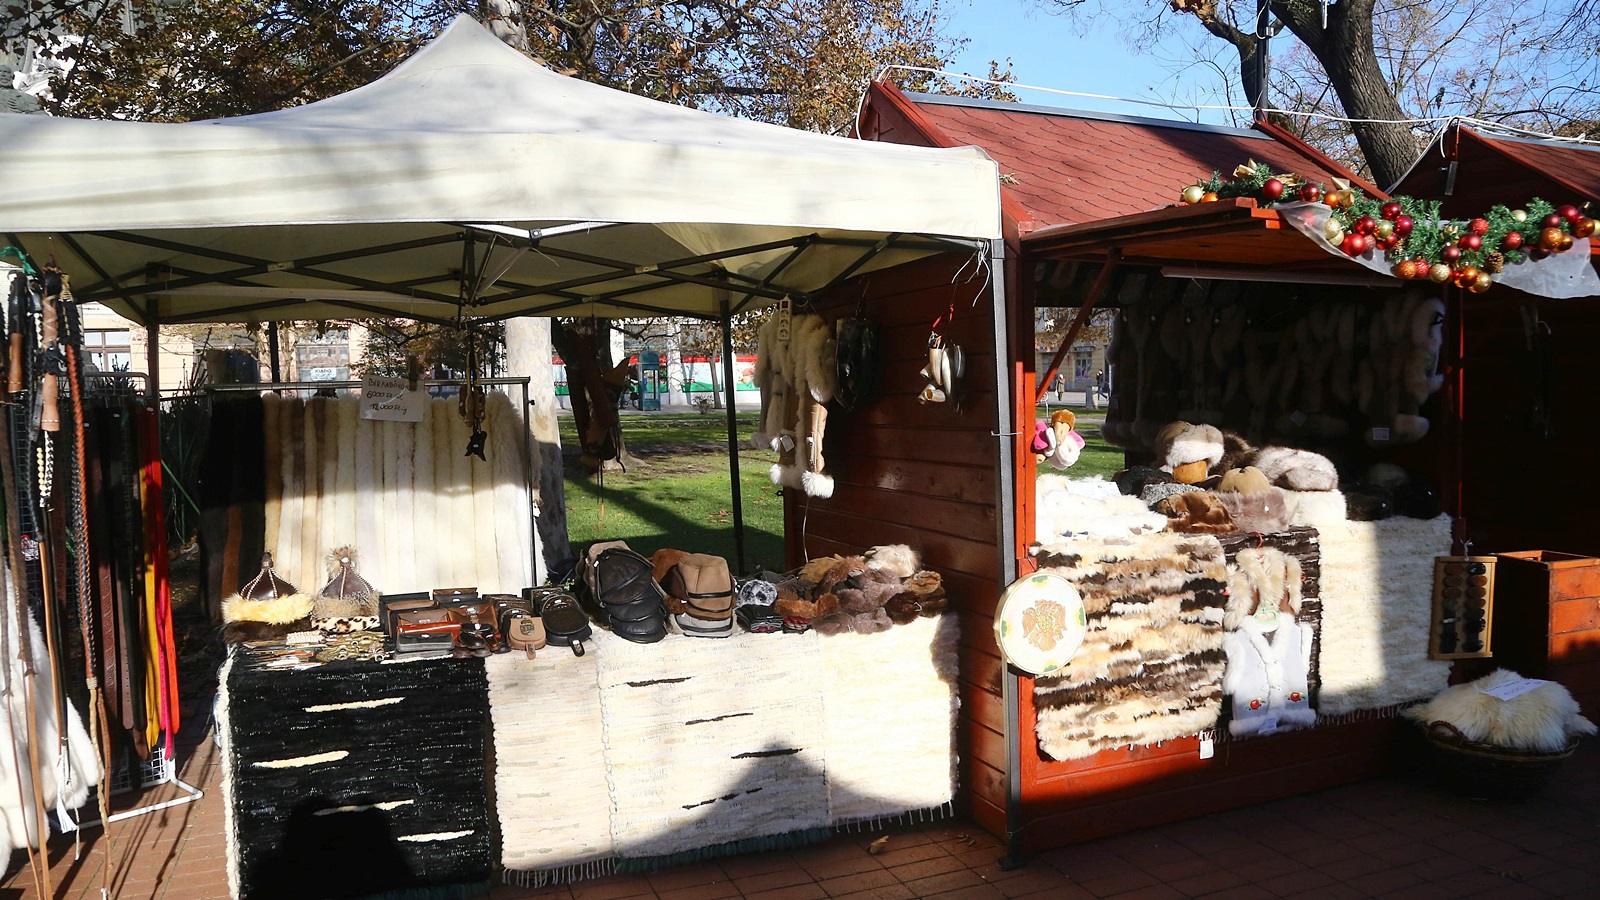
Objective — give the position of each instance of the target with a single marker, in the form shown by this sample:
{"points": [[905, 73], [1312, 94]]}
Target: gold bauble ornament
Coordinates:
{"points": [[1563, 243], [1480, 284], [1550, 238], [1384, 229], [1440, 273], [1583, 228], [1192, 194], [1209, 197], [1333, 231], [1519, 215]]}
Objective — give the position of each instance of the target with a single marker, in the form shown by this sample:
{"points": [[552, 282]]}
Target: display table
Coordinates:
{"points": [[354, 778], [635, 755]]}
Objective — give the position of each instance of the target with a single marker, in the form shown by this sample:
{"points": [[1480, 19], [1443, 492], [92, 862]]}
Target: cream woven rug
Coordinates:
{"points": [[693, 747]]}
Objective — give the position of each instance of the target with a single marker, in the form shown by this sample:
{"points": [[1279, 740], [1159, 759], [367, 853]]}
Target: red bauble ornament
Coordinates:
{"points": [[1366, 225], [1272, 189], [1464, 276], [1353, 245], [1569, 212], [1511, 241], [1389, 243], [1403, 225], [1450, 254], [1390, 210], [1209, 197], [1479, 227], [1583, 227], [1310, 193], [1553, 220], [1470, 241]]}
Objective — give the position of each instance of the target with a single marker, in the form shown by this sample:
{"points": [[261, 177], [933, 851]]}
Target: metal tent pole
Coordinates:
{"points": [[733, 437]]}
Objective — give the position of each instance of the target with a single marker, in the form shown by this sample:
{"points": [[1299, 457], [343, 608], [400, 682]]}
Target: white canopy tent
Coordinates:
{"points": [[473, 181]]}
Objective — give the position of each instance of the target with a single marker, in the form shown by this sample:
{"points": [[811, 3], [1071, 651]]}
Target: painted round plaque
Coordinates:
{"points": [[1040, 624]]}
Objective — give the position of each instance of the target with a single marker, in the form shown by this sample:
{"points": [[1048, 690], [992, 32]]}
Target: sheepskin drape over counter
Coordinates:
{"points": [[1150, 668], [637, 755], [420, 512]]}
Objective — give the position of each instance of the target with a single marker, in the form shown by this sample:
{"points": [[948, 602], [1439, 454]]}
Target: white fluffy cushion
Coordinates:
{"points": [[1544, 719]]}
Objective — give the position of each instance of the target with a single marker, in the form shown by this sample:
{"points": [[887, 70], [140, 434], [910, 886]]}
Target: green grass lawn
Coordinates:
{"points": [[678, 494]]}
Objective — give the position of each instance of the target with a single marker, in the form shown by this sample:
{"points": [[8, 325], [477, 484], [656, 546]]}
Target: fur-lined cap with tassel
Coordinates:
{"points": [[346, 594], [266, 607]]}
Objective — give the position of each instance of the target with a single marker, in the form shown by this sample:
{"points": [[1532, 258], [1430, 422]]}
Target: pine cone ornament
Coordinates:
{"points": [[1494, 261]]}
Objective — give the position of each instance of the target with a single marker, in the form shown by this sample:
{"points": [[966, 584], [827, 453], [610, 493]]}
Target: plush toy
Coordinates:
{"points": [[1067, 443], [1044, 440]]}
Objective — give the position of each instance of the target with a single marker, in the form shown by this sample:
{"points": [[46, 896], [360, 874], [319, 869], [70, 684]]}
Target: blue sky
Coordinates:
{"points": [[1051, 51]]}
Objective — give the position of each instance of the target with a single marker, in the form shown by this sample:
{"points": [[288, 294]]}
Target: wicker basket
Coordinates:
{"points": [[1489, 772]]}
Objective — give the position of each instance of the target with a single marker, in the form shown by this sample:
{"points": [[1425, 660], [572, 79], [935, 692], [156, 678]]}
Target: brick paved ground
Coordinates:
{"points": [[1399, 837]]}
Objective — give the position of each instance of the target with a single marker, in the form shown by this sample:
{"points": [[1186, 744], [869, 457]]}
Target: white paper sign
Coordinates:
{"points": [[1511, 690], [386, 399]]}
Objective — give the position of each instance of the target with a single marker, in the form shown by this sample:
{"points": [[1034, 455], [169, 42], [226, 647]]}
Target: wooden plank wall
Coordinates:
{"points": [[924, 475]]}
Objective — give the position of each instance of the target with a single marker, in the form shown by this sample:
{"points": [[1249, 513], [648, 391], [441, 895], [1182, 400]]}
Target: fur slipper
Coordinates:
{"points": [[872, 622], [838, 623], [903, 608]]}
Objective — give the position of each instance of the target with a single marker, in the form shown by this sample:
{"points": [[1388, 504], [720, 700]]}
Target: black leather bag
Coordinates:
{"points": [[565, 624], [625, 585]]}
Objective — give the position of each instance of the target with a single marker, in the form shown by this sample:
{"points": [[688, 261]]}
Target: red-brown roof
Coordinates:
{"points": [[1067, 167], [1492, 169]]}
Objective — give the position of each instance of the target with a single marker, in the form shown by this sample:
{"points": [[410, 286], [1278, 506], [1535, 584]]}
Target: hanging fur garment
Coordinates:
{"points": [[800, 379], [19, 822]]}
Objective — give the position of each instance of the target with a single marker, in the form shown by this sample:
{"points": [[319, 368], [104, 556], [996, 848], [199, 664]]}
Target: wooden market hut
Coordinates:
{"points": [[1528, 362], [1084, 195]]}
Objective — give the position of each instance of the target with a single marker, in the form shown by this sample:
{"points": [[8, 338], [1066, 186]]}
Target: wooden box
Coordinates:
{"points": [[1463, 608], [1547, 624]]}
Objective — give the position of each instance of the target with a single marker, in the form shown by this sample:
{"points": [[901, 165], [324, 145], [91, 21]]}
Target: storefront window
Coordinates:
{"points": [[109, 349]]}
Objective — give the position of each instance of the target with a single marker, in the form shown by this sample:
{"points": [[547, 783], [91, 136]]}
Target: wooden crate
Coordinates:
{"points": [[1463, 589], [1547, 624]]}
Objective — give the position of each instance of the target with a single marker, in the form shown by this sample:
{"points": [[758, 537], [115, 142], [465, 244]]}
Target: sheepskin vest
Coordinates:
{"points": [[798, 379]]}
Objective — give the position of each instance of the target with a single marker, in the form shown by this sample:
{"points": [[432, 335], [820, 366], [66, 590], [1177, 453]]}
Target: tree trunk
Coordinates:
{"points": [[674, 366], [1345, 49], [528, 353], [609, 342]]}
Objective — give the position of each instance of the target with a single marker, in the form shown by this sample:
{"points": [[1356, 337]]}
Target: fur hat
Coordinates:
{"points": [[843, 569], [826, 604], [1134, 479], [1196, 512], [266, 608], [347, 594], [814, 569], [1261, 576], [1248, 480], [896, 559], [1189, 451]]}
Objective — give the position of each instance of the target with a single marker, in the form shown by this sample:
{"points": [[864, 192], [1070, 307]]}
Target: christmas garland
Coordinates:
{"points": [[1416, 241]]}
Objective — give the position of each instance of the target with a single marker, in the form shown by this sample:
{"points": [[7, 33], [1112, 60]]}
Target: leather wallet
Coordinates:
{"points": [[427, 629]]}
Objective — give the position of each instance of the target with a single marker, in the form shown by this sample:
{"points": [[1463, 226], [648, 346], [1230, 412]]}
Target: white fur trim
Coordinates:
{"points": [[1194, 446], [816, 484]]}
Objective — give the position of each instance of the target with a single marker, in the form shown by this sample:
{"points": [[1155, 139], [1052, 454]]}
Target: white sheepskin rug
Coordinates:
{"points": [[421, 513], [1377, 595], [1543, 720], [1068, 508]]}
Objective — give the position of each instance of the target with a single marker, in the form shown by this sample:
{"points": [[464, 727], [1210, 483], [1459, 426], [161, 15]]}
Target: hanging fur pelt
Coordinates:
{"points": [[19, 825]]}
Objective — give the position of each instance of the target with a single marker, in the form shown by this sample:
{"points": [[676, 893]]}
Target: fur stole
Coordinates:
{"points": [[1544, 720], [1262, 512], [1196, 512]]}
